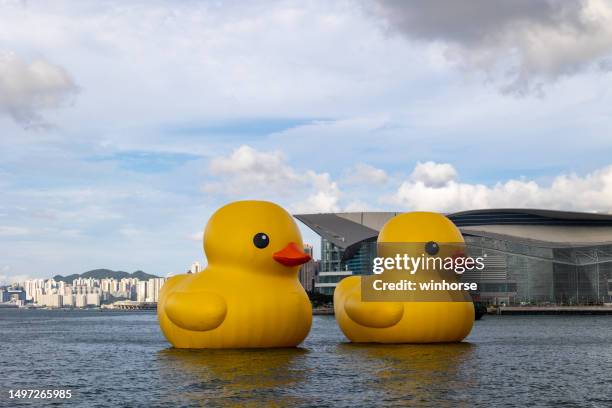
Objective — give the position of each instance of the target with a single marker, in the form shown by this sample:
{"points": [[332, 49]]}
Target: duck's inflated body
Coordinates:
{"points": [[449, 319], [249, 295], [399, 322]]}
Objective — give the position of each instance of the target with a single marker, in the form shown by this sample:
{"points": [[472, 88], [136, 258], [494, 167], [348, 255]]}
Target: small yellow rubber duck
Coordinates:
{"points": [[448, 319], [249, 296]]}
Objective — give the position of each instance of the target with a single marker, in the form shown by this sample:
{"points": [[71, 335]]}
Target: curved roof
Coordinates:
{"points": [[346, 230], [548, 236], [340, 231], [528, 216]]}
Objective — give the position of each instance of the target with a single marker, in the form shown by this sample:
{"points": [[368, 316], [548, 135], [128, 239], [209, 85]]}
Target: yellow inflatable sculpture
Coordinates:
{"points": [[445, 320], [249, 295]]}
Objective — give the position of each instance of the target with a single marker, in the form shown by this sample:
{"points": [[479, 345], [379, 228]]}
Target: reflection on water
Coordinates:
{"points": [[385, 373], [244, 377], [121, 359], [416, 373]]}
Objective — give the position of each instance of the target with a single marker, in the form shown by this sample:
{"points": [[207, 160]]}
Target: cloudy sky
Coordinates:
{"points": [[124, 125]]}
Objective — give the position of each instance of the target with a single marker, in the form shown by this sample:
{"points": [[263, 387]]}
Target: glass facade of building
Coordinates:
{"points": [[515, 273], [518, 273], [334, 268], [331, 256], [534, 256], [361, 262]]}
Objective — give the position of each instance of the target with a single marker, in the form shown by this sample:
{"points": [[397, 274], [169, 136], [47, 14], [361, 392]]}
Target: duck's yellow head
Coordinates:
{"points": [[256, 236], [426, 232]]}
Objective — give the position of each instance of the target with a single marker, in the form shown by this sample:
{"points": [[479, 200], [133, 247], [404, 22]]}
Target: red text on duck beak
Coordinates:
{"points": [[291, 255]]}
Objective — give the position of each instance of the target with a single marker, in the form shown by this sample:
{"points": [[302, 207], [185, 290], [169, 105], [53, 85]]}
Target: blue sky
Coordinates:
{"points": [[124, 125]]}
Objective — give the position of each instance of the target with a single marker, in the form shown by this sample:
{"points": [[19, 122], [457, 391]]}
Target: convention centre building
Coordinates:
{"points": [[535, 256]]}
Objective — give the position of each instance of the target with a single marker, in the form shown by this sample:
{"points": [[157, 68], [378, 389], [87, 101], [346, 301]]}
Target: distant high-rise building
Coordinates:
{"points": [[93, 299], [141, 291], [50, 284], [68, 300], [31, 287], [153, 287], [308, 270], [54, 300], [151, 283], [80, 300], [195, 267]]}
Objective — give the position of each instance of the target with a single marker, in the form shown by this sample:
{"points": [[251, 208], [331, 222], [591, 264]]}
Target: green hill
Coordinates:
{"points": [[105, 273]]}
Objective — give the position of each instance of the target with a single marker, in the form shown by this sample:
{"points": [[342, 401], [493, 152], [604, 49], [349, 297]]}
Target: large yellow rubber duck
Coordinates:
{"points": [[449, 319], [249, 296]]}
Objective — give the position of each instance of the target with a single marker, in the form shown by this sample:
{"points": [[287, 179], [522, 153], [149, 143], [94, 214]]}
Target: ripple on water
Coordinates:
{"points": [[110, 358]]}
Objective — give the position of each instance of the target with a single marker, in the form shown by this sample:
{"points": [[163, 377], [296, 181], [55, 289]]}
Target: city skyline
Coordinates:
{"points": [[81, 292], [87, 291], [124, 127]]}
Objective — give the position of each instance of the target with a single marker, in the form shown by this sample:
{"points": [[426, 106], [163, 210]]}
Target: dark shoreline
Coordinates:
{"points": [[553, 310]]}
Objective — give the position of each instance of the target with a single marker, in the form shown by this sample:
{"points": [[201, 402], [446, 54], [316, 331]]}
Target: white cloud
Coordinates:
{"points": [[26, 88], [363, 173], [324, 199], [247, 172], [592, 192], [196, 236], [531, 42], [433, 174], [247, 169]]}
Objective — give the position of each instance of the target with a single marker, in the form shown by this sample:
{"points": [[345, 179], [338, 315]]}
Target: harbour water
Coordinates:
{"points": [[120, 358]]}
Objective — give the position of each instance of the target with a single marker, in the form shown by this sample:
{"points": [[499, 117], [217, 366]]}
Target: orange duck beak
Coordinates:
{"points": [[291, 255]]}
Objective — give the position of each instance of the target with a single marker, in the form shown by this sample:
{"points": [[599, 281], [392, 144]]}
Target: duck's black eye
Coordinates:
{"points": [[432, 248], [261, 240]]}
